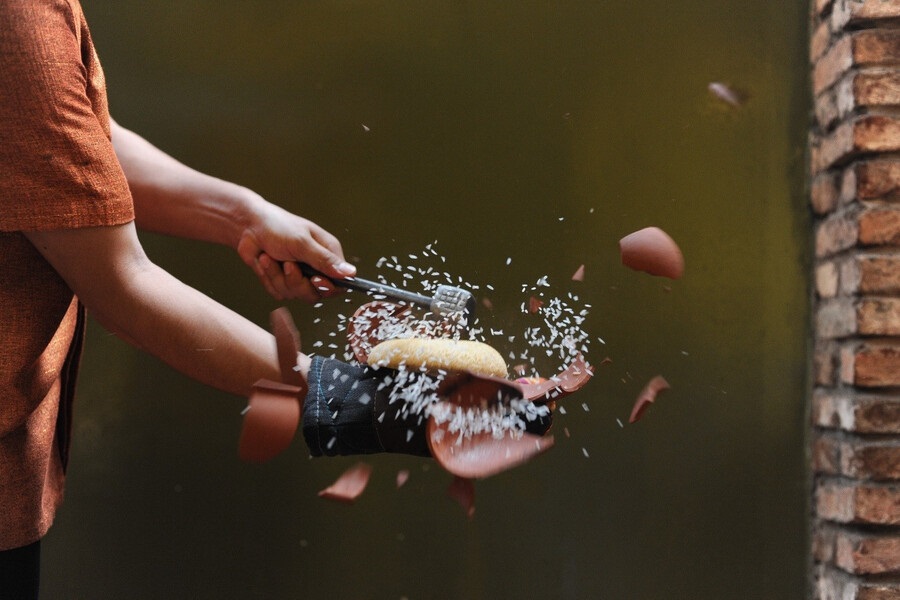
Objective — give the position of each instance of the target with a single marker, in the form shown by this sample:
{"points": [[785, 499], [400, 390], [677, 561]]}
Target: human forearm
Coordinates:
{"points": [[108, 270], [188, 331], [174, 199], [171, 198]]}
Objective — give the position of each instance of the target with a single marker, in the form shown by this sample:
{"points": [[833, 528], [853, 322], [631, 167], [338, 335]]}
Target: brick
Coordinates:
{"points": [[824, 538], [850, 184], [878, 316], [877, 505], [836, 318], [849, 276], [876, 414], [854, 412], [833, 64], [847, 363], [876, 364], [872, 88], [826, 277], [867, 47], [843, 501], [836, 233], [824, 193], [879, 225], [831, 410], [856, 13], [876, 46], [876, 179], [878, 273], [878, 461], [834, 501], [826, 455], [867, 554], [878, 591], [831, 584], [877, 133], [819, 41], [828, 149], [864, 134], [825, 363], [826, 108]]}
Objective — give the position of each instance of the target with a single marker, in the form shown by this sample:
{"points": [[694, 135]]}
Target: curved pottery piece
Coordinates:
{"points": [[370, 325], [270, 422], [349, 485], [464, 388], [481, 455], [647, 397], [287, 341], [573, 378], [652, 250], [273, 414]]}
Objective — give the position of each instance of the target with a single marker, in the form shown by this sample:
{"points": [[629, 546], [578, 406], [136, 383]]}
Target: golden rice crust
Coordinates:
{"points": [[434, 354]]}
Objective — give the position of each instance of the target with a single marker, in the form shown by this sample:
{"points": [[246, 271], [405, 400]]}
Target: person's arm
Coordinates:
{"points": [[107, 269], [174, 199]]}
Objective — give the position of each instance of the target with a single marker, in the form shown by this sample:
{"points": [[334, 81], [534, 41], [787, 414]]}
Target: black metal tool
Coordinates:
{"points": [[447, 299]]}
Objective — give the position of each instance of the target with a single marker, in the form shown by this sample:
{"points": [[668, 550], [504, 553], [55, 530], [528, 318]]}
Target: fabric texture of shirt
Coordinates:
{"points": [[58, 170]]}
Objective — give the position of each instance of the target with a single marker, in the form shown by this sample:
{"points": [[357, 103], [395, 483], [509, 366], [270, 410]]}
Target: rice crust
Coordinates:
{"points": [[438, 354]]}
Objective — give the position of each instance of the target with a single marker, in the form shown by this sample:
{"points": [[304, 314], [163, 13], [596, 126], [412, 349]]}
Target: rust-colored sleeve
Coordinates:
{"points": [[58, 168]]}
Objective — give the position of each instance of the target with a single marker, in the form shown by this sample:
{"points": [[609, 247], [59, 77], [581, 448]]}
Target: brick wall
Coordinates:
{"points": [[855, 200]]}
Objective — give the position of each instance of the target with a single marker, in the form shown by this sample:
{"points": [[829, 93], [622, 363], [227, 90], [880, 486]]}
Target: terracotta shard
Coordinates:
{"points": [[574, 377], [481, 455], [534, 305], [350, 484], [647, 396], [287, 340], [463, 492], [402, 477], [463, 388], [652, 251], [579, 274], [371, 324], [270, 422]]}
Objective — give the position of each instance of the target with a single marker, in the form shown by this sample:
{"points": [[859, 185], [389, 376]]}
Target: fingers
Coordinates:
{"points": [[273, 255], [327, 256], [285, 281]]}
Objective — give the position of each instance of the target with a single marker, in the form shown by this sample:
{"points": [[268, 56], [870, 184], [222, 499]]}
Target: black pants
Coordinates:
{"points": [[20, 572]]}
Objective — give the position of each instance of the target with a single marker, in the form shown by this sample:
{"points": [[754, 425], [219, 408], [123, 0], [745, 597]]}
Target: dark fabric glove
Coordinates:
{"points": [[355, 409], [350, 409]]}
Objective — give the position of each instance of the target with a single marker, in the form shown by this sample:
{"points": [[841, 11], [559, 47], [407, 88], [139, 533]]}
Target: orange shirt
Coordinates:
{"points": [[58, 170]]}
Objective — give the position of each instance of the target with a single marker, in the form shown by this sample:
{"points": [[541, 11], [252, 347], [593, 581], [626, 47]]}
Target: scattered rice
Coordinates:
{"points": [[554, 335]]}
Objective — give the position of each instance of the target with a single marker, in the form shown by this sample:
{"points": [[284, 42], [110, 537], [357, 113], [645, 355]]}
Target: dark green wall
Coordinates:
{"points": [[537, 131]]}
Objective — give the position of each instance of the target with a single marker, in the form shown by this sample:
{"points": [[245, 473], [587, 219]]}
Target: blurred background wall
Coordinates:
{"points": [[525, 139]]}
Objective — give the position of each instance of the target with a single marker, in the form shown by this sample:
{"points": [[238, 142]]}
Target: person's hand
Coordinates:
{"points": [[277, 240]]}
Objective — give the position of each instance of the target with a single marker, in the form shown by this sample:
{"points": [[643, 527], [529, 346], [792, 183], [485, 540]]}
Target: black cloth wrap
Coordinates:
{"points": [[342, 413], [348, 410]]}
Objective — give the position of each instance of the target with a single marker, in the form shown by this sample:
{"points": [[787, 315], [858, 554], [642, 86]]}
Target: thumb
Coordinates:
{"points": [[331, 264]]}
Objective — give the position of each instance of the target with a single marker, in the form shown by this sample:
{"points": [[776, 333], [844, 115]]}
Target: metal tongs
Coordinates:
{"points": [[447, 300]]}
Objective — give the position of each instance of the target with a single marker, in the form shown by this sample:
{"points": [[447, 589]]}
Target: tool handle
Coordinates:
{"points": [[364, 285]]}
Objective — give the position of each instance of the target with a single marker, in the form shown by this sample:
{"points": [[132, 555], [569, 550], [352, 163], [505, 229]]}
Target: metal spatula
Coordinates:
{"points": [[447, 299]]}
